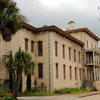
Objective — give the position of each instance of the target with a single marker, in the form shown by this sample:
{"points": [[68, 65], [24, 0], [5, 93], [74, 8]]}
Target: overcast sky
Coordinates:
{"points": [[85, 13]]}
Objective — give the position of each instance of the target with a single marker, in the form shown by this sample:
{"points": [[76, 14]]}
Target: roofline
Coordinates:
{"points": [[61, 32], [83, 30], [51, 28], [28, 26]]}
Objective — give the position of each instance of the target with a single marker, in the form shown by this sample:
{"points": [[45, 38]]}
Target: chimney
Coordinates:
{"points": [[71, 25]]}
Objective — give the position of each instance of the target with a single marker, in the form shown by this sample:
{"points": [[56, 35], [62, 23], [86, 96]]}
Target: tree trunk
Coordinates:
{"points": [[19, 73]]}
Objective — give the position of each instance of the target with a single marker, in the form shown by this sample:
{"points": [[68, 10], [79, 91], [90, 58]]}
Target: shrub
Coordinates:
{"points": [[71, 90], [29, 82]]}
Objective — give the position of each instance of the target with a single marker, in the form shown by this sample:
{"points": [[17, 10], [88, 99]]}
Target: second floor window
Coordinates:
{"points": [[87, 44], [74, 55], [40, 70], [26, 44], [56, 48], [32, 46], [63, 49], [40, 48], [69, 53], [79, 57]]}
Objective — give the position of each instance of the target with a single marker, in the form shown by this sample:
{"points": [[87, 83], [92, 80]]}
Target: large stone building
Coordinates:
{"points": [[64, 58]]}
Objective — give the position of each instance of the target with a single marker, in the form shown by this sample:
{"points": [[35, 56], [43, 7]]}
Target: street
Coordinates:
{"points": [[94, 97]]}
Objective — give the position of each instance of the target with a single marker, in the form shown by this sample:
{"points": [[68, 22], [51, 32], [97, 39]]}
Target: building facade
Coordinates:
{"points": [[64, 58]]}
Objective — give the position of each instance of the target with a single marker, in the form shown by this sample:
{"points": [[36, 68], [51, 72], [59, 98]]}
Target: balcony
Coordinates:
{"points": [[92, 57]]}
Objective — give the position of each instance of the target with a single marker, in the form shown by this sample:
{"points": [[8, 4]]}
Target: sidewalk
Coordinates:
{"points": [[60, 97]]}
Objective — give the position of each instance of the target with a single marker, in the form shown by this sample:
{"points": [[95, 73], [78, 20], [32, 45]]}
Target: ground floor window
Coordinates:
{"points": [[40, 70]]}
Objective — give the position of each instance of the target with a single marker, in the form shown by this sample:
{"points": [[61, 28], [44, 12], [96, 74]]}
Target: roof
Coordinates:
{"points": [[61, 32], [83, 30], [28, 27], [54, 29]]}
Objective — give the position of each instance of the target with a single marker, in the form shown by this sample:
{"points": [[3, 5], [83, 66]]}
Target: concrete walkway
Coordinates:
{"points": [[63, 97]]}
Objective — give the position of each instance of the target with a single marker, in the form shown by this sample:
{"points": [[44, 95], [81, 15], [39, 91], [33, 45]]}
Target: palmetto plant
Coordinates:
{"points": [[22, 61]]}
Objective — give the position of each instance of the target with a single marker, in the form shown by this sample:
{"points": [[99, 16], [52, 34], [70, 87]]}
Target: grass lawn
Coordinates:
{"points": [[71, 90], [6, 99], [35, 93], [61, 91]]}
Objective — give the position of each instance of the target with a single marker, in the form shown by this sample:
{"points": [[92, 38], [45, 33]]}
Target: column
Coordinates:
{"points": [[99, 73], [85, 73], [94, 72]]}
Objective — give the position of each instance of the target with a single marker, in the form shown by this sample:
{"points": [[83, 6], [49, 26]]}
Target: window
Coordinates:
{"points": [[63, 49], [75, 73], [40, 70], [79, 57], [32, 46], [87, 44], [69, 53], [74, 55], [26, 44], [64, 71], [70, 72], [91, 45], [56, 48], [56, 70], [40, 48], [80, 73]]}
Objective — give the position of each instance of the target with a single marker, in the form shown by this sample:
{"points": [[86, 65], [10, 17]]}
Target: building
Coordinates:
{"points": [[64, 58]]}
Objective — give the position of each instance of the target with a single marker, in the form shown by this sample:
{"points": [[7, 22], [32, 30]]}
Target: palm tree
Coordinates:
{"points": [[21, 61], [10, 19]]}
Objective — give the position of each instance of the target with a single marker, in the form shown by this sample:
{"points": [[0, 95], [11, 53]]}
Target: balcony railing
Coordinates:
{"points": [[92, 57]]}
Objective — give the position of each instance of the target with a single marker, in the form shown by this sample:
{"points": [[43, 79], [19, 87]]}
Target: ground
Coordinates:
{"points": [[63, 97]]}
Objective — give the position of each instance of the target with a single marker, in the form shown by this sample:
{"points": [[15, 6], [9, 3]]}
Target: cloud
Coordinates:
{"points": [[59, 12]]}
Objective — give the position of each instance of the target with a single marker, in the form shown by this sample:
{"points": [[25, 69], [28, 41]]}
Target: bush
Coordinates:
{"points": [[6, 99], [29, 82], [71, 90], [35, 93]]}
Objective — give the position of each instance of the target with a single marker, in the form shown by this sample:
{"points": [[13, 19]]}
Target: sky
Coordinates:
{"points": [[84, 13]]}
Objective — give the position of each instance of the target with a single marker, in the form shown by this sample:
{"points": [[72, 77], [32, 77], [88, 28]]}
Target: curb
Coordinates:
{"points": [[91, 94]]}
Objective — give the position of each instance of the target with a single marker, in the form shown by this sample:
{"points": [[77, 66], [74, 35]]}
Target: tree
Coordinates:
{"points": [[22, 61], [10, 19], [29, 82]]}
